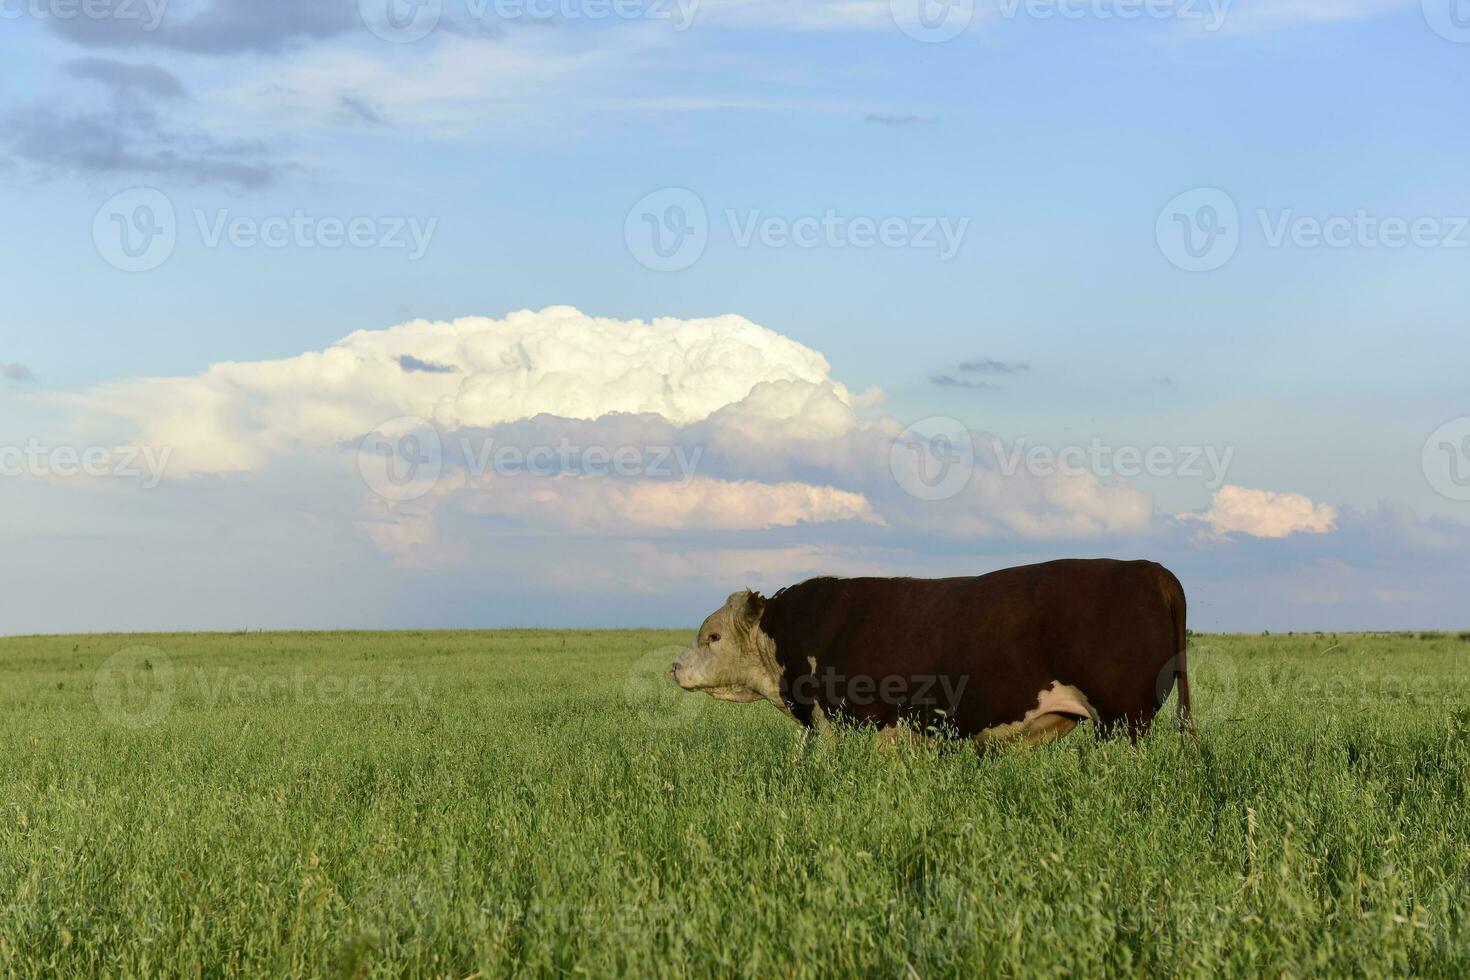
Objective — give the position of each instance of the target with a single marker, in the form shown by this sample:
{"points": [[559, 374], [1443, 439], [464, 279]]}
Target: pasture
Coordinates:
{"points": [[546, 803]]}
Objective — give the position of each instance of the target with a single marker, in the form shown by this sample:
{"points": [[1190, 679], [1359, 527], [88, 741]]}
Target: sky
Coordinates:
{"points": [[463, 313]]}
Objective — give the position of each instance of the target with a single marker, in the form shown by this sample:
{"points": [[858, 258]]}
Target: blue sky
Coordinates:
{"points": [[518, 144]]}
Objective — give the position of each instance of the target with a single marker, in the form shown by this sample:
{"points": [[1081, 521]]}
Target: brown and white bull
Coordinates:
{"points": [[1024, 653]]}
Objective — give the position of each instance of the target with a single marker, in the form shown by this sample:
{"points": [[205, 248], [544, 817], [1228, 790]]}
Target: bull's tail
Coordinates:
{"points": [[1174, 597]]}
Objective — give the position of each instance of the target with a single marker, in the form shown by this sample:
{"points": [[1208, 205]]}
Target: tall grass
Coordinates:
{"points": [[541, 802]]}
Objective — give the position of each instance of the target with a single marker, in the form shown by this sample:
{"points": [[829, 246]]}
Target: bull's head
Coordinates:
{"points": [[730, 658]]}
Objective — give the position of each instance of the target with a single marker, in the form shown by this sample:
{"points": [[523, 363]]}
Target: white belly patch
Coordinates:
{"points": [[1056, 699]]}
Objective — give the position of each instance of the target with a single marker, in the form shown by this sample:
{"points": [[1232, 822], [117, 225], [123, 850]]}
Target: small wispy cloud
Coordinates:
{"points": [[898, 122], [950, 381], [361, 110], [18, 373], [986, 365]]}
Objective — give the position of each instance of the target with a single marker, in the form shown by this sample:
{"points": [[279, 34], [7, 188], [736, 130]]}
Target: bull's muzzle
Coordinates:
{"points": [[683, 672]]}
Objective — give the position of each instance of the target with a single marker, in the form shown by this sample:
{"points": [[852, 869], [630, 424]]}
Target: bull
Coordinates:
{"points": [[1020, 654]]}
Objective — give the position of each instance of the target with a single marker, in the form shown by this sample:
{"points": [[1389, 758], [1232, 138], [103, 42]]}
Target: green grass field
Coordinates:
{"points": [[547, 803]]}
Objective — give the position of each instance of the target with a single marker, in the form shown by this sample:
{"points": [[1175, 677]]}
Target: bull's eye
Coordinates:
{"points": [[714, 638]]}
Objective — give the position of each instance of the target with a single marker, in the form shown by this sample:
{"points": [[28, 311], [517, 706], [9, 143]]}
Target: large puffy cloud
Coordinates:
{"points": [[558, 361], [751, 431], [1265, 513]]}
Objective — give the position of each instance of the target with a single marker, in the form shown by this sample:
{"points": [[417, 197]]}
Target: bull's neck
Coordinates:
{"points": [[770, 665]]}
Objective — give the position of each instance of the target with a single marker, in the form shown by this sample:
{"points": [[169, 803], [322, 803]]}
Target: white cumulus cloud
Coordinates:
{"points": [[1265, 513], [559, 361]]}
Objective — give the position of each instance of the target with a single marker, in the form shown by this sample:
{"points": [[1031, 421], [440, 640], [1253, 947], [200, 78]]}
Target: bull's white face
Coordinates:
{"points": [[730, 658]]}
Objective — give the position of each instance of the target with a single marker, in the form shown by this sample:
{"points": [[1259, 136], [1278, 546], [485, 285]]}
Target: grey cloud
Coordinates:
{"points": [[361, 110], [127, 136], [986, 365], [123, 77], [103, 143], [18, 373], [218, 27], [410, 363]]}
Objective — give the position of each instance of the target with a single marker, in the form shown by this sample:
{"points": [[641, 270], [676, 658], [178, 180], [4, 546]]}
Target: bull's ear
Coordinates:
{"points": [[755, 604]]}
